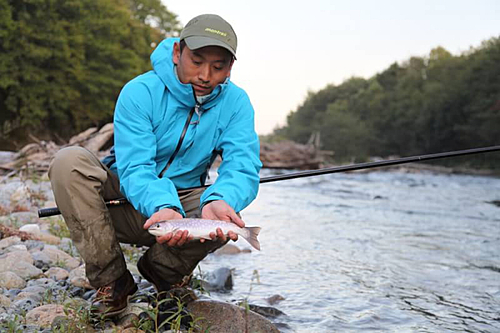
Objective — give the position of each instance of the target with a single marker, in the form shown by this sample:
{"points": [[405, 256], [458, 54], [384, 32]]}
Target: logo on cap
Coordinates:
{"points": [[214, 31]]}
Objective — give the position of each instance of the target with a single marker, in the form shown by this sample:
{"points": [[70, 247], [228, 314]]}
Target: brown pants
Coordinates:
{"points": [[81, 185]]}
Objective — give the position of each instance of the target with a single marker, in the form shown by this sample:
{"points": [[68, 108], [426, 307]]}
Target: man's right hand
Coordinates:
{"points": [[177, 239]]}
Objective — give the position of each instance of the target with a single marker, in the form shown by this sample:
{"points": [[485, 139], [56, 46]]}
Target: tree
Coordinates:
{"points": [[63, 62], [428, 104]]}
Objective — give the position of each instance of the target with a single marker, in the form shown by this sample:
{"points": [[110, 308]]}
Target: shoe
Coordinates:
{"points": [[168, 297], [112, 298]]}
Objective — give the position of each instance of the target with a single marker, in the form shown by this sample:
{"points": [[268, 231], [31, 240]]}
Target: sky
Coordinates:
{"points": [[289, 48]]}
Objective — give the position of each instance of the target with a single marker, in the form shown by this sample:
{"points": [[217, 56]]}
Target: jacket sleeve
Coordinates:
{"points": [[238, 175], [135, 149]]}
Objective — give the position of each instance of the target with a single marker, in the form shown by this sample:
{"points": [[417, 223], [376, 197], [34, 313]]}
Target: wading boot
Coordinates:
{"points": [[112, 298]]}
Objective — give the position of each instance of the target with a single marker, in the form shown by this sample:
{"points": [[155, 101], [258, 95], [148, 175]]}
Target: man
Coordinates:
{"points": [[169, 124]]}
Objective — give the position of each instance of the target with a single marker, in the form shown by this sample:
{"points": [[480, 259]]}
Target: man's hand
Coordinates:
{"points": [[177, 239], [220, 210]]}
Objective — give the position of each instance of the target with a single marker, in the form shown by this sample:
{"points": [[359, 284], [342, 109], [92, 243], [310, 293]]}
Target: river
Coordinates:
{"points": [[379, 251]]}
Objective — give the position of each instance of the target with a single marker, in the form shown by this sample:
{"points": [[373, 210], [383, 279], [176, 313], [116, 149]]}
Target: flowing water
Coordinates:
{"points": [[378, 251]]}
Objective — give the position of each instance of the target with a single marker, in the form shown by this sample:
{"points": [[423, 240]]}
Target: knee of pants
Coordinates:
{"points": [[65, 161]]}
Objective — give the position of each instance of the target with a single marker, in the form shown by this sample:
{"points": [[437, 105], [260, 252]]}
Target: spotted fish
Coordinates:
{"points": [[201, 228]]}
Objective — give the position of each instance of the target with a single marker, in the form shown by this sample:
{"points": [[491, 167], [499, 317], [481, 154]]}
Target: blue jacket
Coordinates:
{"points": [[150, 115]]}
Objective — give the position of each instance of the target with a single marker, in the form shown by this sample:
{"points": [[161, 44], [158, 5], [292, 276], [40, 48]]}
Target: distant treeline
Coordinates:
{"points": [[63, 62], [425, 105]]}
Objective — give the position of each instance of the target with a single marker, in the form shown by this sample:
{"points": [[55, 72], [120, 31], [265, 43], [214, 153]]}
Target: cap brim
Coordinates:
{"points": [[197, 42]]}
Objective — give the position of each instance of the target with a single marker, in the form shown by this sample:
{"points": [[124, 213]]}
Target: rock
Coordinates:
{"points": [[14, 262], [131, 315], [24, 217], [31, 228], [26, 304], [21, 255], [11, 280], [231, 249], [44, 315], [57, 273], [9, 241], [287, 154], [274, 299], [219, 280], [41, 259], [37, 298], [221, 317], [266, 311], [47, 238], [17, 247], [78, 278], [60, 257], [4, 301], [20, 194], [7, 156]]}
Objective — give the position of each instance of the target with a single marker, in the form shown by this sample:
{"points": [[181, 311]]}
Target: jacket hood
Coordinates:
{"points": [[164, 67]]}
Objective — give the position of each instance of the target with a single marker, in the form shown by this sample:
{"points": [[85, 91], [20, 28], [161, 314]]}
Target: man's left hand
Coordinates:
{"points": [[220, 210]]}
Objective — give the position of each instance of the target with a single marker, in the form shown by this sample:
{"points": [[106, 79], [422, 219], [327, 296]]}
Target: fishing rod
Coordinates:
{"points": [[45, 212]]}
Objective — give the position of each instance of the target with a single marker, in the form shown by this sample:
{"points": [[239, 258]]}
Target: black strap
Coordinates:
{"points": [[179, 144]]}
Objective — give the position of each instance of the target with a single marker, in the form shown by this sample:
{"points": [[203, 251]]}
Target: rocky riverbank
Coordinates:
{"points": [[43, 287]]}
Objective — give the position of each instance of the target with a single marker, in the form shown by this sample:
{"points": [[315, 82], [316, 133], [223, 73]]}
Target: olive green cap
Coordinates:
{"points": [[209, 30]]}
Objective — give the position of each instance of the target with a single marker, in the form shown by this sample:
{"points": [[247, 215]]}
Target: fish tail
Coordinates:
{"points": [[251, 237]]}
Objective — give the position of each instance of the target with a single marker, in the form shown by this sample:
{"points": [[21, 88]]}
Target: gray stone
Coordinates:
{"points": [[57, 273], [78, 278], [9, 241], [60, 257], [17, 247], [23, 269], [42, 282], [7, 156], [219, 280], [20, 255], [31, 228], [11, 280], [231, 249], [4, 301], [41, 257], [26, 304], [25, 295], [24, 217], [36, 289]]}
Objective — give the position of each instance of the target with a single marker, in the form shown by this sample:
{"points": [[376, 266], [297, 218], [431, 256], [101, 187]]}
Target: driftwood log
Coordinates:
{"points": [[36, 156]]}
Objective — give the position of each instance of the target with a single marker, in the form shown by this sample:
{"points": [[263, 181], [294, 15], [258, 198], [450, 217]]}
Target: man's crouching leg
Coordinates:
{"points": [[78, 181], [167, 267]]}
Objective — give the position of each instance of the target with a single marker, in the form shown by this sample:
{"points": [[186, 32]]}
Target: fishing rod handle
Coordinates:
{"points": [[46, 212]]}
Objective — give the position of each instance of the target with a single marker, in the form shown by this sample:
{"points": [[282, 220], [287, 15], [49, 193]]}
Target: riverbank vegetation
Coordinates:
{"points": [[435, 103], [63, 63]]}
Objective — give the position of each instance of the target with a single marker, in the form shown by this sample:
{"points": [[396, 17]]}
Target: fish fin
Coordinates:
{"points": [[253, 232]]}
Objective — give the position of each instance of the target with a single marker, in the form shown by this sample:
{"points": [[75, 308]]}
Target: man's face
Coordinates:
{"points": [[203, 68]]}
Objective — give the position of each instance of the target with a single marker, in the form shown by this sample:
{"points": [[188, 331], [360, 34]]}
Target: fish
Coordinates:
{"points": [[201, 228]]}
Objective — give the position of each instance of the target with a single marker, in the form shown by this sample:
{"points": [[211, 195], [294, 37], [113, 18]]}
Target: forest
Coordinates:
{"points": [[424, 105], [63, 62]]}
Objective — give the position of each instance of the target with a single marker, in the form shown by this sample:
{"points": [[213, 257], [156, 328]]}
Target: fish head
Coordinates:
{"points": [[161, 228]]}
